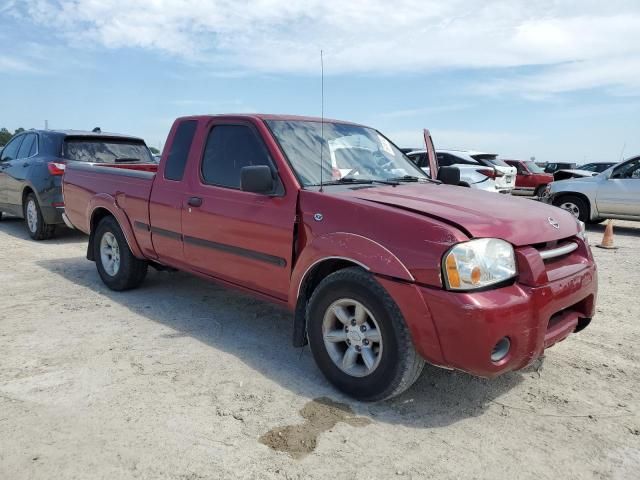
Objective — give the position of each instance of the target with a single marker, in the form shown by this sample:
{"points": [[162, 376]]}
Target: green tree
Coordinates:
{"points": [[18, 130], [154, 150], [5, 136]]}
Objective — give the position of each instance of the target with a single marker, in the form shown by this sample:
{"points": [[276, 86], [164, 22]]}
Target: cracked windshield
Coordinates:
{"points": [[350, 153]]}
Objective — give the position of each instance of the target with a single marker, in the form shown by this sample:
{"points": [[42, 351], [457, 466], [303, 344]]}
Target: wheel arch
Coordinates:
{"points": [[580, 195], [312, 277], [101, 211], [332, 252]]}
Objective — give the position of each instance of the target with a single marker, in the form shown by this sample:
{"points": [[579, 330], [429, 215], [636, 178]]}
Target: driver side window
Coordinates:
{"points": [[10, 152], [630, 169]]}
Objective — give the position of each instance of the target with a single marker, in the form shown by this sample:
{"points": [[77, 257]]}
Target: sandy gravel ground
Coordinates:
{"points": [[182, 379]]}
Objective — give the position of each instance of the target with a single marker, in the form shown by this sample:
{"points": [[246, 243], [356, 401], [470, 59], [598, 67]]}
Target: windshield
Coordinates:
{"points": [[349, 152], [596, 167], [106, 151], [533, 168]]}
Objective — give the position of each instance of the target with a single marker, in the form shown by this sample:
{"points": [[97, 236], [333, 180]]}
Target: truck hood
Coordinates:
{"points": [[476, 213]]}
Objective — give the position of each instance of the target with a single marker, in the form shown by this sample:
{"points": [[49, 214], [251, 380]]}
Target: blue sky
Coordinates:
{"points": [[558, 80]]}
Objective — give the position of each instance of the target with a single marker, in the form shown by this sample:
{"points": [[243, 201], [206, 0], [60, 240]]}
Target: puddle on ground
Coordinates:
{"points": [[321, 415]]}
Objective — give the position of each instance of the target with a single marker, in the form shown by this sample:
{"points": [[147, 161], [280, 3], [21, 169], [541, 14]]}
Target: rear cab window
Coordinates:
{"points": [[180, 147], [106, 150]]}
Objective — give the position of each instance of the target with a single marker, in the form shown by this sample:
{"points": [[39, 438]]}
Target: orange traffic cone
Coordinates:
{"points": [[607, 239]]}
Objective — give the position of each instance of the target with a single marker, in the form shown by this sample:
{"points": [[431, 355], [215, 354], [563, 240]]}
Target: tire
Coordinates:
{"points": [[119, 269], [539, 191], [574, 205], [36, 226], [393, 363]]}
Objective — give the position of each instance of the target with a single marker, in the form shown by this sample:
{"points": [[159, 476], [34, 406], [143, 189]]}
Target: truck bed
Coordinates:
{"points": [[127, 184]]}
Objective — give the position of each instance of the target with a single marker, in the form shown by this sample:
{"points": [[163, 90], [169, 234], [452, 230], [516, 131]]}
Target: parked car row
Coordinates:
{"points": [[482, 171]]}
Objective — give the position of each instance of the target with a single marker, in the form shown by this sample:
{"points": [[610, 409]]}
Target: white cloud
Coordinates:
{"points": [[581, 43]]}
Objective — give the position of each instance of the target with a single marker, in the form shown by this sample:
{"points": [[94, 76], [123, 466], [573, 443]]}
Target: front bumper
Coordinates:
{"points": [[469, 325]]}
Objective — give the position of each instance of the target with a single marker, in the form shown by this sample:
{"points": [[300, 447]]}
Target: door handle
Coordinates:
{"points": [[195, 201]]}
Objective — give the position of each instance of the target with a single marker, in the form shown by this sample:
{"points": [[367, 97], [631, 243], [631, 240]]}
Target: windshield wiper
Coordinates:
{"points": [[353, 180]]}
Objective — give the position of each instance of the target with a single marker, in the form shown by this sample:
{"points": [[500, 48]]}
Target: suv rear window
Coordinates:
{"points": [[100, 150], [488, 158]]}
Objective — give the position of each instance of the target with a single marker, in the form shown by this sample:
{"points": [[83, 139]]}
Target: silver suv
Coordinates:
{"points": [[614, 193]]}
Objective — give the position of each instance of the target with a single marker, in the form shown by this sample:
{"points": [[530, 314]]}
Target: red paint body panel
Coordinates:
{"points": [[530, 180], [268, 245]]}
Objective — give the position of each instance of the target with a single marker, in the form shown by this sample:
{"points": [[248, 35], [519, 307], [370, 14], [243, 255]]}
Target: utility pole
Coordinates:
{"points": [[46, 124]]}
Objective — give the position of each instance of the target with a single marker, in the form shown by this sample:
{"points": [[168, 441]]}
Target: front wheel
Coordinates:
{"points": [[539, 191], [359, 339], [117, 266], [576, 206], [36, 226]]}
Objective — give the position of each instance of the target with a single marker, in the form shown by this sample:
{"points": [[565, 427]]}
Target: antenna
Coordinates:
{"points": [[321, 113]]}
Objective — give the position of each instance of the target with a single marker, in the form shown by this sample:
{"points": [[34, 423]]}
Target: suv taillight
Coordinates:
{"points": [[56, 168], [490, 172]]}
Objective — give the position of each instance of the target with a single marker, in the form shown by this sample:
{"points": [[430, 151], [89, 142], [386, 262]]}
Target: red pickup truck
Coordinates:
{"points": [[383, 268], [530, 178]]}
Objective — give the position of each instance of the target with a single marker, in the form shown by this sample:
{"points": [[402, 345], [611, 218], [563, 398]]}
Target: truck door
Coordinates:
{"points": [[620, 193], [165, 203], [240, 237]]}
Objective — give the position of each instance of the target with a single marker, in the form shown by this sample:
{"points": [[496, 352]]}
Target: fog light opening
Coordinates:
{"points": [[500, 350]]}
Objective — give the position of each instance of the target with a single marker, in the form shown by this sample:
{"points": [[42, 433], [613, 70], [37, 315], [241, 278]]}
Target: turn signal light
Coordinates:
{"points": [[491, 173], [56, 168], [452, 271]]}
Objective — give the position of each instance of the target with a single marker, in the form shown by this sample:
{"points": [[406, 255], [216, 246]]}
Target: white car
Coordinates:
{"points": [[614, 193], [504, 175], [473, 173]]}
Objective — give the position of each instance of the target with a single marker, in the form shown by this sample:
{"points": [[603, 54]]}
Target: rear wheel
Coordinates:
{"points": [[117, 266], [36, 226], [359, 339], [574, 205]]}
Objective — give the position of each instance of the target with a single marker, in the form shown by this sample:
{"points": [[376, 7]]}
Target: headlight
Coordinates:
{"points": [[479, 263]]}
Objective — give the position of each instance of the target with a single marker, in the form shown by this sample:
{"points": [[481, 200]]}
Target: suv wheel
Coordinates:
{"points": [[574, 205], [117, 266], [36, 226], [359, 339]]}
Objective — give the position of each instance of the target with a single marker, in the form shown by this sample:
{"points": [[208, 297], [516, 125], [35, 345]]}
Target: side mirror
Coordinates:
{"points": [[257, 179], [449, 175]]}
